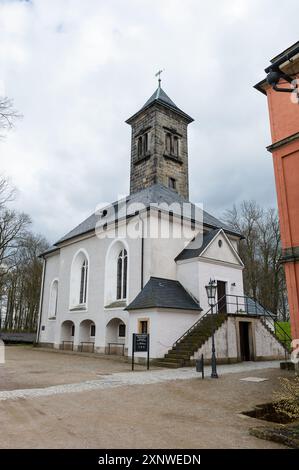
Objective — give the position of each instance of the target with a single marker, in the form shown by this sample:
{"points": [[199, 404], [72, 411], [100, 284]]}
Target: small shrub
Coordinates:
{"points": [[287, 398]]}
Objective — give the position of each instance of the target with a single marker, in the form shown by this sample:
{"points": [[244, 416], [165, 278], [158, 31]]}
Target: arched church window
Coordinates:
{"points": [[79, 280], [53, 299], [122, 265], [168, 143], [83, 282]]}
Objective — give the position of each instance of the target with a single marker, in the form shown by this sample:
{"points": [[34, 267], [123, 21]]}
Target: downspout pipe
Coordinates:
{"points": [[41, 298], [142, 252]]}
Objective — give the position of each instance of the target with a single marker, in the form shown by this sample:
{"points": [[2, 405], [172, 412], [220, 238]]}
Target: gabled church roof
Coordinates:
{"points": [[164, 293], [189, 253], [155, 194], [160, 97]]}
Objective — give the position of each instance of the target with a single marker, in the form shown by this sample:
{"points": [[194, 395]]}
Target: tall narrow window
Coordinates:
{"points": [[168, 143], [143, 326], [122, 267], [145, 143], [139, 147], [83, 282], [172, 183], [92, 330], [53, 300], [122, 330], [176, 146]]}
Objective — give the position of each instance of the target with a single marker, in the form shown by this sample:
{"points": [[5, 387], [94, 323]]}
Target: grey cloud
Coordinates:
{"points": [[77, 70]]}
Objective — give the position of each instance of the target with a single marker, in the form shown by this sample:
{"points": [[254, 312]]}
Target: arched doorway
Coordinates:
{"points": [[116, 336], [87, 333], [67, 335]]}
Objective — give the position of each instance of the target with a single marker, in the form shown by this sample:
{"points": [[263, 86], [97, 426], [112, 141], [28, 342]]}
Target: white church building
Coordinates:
{"points": [[141, 265]]}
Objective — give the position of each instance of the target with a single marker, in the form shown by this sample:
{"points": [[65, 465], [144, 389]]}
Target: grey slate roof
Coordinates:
{"points": [[189, 252], [156, 193], [51, 249], [164, 293], [159, 96], [254, 308]]}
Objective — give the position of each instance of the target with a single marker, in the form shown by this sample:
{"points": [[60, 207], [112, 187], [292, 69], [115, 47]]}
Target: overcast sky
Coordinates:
{"points": [[77, 69]]}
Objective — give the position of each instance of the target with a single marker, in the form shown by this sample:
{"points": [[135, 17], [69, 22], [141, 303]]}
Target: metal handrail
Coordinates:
{"points": [[242, 300], [197, 322], [258, 307], [263, 312]]}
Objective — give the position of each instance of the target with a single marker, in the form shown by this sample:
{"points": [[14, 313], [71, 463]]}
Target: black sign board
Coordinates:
{"points": [[140, 343]]}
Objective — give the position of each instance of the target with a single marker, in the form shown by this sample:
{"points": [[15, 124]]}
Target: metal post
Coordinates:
{"points": [[133, 348], [148, 351], [214, 374]]}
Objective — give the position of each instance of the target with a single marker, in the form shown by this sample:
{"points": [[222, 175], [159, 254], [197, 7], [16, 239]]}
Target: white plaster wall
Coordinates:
{"points": [[159, 261], [165, 327], [223, 253], [219, 272], [188, 276], [162, 251], [95, 307], [195, 275], [51, 273], [227, 341], [266, 344]]}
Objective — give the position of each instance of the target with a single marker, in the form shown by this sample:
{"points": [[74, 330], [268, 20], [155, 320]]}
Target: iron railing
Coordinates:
{"points": [[197, 322], [241, 304]]}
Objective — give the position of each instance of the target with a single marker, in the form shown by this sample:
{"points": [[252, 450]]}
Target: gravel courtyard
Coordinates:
{"points": [[55, 400]]}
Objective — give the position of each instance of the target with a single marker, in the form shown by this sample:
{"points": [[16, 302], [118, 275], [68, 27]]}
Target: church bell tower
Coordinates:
{"points": [[159, 147]]}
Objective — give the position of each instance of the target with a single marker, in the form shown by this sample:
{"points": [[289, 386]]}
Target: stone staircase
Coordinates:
{"points": [[184, 349], [285, 344]]}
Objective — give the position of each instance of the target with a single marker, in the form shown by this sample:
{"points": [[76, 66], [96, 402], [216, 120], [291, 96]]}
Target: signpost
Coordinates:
{"points": [[200, 366], [140, 343]]}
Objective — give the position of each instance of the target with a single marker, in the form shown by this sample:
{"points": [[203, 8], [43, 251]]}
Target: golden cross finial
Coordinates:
{"points": [[158, 74]]}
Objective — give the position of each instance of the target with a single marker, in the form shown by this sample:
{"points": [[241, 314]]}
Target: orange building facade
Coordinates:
{"points": [[283, 73]]}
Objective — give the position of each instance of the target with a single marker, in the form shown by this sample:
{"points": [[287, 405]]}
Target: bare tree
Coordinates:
{"points": [[7, 191], [260, 251], [13, 227], [8, 114], [22, 287]]}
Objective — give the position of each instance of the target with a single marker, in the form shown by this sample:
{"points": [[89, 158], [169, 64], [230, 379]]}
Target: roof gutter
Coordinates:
{"points": [[275, 74], [285, 58]]}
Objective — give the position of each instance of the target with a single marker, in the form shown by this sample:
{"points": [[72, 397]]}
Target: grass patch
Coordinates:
{"points": [[283, 332]]}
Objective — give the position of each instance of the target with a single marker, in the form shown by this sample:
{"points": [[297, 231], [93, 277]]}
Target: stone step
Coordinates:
{"points": [[170, 365], [177, 358], [179, 355]]}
